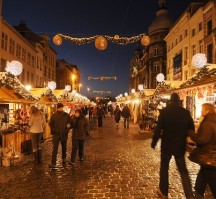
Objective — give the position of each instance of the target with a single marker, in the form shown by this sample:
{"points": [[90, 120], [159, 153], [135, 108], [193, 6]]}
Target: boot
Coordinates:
{"points": [[40, 156]]}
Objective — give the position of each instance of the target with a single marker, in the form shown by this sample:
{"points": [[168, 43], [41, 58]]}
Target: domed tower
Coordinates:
{"points": [[156, 51]]}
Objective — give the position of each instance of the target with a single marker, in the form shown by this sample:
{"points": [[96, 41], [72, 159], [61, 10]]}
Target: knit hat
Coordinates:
{"points": [[60, 105], [174, 97]]}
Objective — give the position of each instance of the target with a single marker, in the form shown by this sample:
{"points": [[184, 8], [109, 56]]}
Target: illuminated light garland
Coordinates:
{"points": [[116, 39], [67, 88], [102, 92], [102, 78], [14, 67]]}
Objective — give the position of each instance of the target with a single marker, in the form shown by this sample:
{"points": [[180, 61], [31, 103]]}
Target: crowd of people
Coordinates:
{"points": [[174, 125]]}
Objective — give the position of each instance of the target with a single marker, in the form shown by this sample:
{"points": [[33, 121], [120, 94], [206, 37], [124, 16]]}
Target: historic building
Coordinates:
{"points": [[67, 74], [186, 38], [147, 63]]}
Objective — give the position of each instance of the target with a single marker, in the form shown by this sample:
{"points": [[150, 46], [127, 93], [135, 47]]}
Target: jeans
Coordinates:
{"points": [[126, 122], [164, 176], [55, 141], [36, 141], [77, 145], [206, 176]]}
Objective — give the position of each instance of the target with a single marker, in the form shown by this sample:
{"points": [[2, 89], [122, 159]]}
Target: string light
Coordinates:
{"points": [[102, 92], [116, 39], [102, 78]]}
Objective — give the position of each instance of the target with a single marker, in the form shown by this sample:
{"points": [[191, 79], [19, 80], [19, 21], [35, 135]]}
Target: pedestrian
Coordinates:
{"points": [[80, 129], [100, 114], [126, 115], [36, 124], [60, 124], [117, 116], [173, 123], [206, 139]]}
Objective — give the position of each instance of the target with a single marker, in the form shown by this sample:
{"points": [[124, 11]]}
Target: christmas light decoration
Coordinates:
{"points": [[101, 40], [133, 91], [67, 88], [140, 87], [160, 77], [102, 78], [52, 85], [102, 92], [14, 67], [199, 60]]}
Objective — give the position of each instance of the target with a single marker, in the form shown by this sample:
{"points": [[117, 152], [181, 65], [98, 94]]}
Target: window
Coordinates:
{"points": [[200, 46], [176, 42], [12, 46], [200, 26], [193, 32], [180, 38], [3, 64], [210, 53], [156, 51], [37, 64], [18, 51], [23, 55], [186, 52], [186, 33], [32, 79], [28, 76], [193, 50], [209, 27], [4, 43], [156, 68], [28, 58]]}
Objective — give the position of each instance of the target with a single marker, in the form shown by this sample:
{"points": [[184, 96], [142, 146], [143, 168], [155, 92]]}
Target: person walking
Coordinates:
{"points": [[206, 139], [173, 123], [117, 116], [60, 124], [36, 124], [80, 129], [126, 115], [100, 114]]}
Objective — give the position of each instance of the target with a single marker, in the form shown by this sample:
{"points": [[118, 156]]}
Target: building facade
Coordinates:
{"points": [[146, 64]]}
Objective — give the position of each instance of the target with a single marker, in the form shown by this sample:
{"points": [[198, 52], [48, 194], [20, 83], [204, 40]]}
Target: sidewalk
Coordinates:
{"points": [[119, 164]]}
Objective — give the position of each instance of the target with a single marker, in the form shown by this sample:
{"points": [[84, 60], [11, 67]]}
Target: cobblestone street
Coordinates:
{"points": [[119, 164]]}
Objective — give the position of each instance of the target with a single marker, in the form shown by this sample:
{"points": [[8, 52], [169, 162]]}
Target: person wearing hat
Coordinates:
{"points": [[60, 124], [173, 123]]}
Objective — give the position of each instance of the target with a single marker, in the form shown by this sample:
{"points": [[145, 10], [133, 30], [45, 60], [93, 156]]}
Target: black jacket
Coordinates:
{"points": [[173, 123]]}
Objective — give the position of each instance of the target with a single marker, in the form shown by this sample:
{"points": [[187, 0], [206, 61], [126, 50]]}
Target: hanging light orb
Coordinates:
{"points": [[116, 37], [67, 88], [160, 77], [133, 91], [140, 87], [14, 67], [101, 43], [52, 85], [126, 94], [145, 41], [199, 60], [57, 40]]}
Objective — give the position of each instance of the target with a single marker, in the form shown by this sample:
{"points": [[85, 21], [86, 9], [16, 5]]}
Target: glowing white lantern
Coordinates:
{"points": [[120, 95], [199, 60], [74, 92], [14, 67], [160, 77], [67, 88], [133, 91], [140, 87], [52, 85], [126, 94]]}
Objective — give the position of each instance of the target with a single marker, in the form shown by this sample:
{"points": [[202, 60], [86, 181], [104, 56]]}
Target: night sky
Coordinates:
{"points": [[85, 18]]}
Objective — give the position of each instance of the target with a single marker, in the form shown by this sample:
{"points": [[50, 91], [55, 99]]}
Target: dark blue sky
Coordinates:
{"points": [[85, 18]]}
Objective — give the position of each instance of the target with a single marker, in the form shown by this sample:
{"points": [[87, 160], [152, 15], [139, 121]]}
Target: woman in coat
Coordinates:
{"points": [[80, 129], [36, 123], [206, 138]]}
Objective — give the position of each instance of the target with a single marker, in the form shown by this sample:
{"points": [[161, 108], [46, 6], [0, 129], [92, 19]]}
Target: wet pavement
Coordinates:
{"points": [[118, 164]]}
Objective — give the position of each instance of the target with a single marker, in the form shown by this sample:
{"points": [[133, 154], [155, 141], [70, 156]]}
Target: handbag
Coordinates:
{"points": [[204, 156]]}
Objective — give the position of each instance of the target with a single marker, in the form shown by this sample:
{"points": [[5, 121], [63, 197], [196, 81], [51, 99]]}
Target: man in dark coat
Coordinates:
{"points": [[126, 115], [60, 124], [172, 126]]}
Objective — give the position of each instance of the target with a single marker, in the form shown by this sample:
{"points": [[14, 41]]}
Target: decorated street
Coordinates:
{"points": [[118, 164]]}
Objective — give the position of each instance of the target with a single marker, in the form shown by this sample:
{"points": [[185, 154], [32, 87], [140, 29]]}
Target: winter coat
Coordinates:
{"points": [[80, 128], [117, 114], [206, 135], [60, 124], [36, 123], [173, 123], [126, 112]]}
